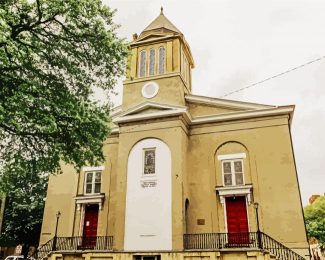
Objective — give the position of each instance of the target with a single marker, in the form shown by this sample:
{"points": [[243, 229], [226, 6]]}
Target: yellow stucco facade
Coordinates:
{"points": [[205, 137]]}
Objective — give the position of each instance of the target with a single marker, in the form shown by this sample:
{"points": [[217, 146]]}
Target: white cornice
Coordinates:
{"points": [[151, 78], [93, 168], [116, 110], [150, 104], [168, 110], [167, 113], [228, 191], [231, 156], [154, 34], [225, 103], [242, 115], [115, 130], [149, 41], [90, 199]]}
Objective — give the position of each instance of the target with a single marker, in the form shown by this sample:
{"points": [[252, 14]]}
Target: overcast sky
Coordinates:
{"points": [[239, 43]]}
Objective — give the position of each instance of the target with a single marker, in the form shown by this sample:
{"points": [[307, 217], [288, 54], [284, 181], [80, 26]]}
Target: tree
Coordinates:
{"points": [[315, 219], [25, 192], [54, 54]]}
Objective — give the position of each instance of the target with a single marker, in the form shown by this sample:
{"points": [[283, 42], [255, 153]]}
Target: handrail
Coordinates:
{"points": [[73, 244], [278, 249], [258, 240], [220, 240], [43, 251], [212, 241]]}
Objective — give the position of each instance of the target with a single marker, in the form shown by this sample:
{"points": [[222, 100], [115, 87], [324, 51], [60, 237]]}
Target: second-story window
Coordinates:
{"points": [[152, 62], [162, 58], [93, 182], [233, 172], [142, 64]]}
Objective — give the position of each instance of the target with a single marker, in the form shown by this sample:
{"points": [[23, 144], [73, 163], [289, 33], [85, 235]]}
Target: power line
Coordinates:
{"points": [[272, 77]]}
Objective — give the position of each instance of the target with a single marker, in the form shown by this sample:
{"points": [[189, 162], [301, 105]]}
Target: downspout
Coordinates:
{"points": [[109, 195], [75, 209]]}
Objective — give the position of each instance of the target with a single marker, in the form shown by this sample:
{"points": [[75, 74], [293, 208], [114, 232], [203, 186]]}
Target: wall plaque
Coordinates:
{"points": [[201, 221], [149, 184]]}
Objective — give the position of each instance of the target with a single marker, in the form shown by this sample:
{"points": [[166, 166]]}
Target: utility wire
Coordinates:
{"points": [[273, 77]]}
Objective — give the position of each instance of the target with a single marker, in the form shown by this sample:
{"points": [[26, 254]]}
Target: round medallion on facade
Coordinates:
{"points": [[150, 90]]}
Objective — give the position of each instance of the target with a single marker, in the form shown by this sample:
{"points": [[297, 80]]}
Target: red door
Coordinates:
{"points": [[90, 226], [237, 220]]}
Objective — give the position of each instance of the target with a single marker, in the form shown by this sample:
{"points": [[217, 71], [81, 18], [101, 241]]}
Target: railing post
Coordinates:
{"points": [[54, 243], [259, 239], [56, 231]]}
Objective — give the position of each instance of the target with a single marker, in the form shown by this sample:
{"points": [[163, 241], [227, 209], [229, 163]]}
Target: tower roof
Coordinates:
{"points": [[161, 22]]}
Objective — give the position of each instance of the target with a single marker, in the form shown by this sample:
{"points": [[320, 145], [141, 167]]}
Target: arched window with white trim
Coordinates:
{"points": [[152, 62], [142, 64], [149, 189], [162, 60]]}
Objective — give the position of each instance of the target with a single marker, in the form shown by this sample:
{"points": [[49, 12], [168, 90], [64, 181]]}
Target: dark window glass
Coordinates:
{"points": [[142, 71], [161, 64], [89, 177], [97, 188], [149, 258], [149, 161], [227, 179], [238, 166], [226, 167], [88, 188], [152, 62], [97, 177], [239, 178]]}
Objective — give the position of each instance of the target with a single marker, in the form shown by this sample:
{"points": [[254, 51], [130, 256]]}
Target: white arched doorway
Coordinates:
{"points": [[148, 216]]}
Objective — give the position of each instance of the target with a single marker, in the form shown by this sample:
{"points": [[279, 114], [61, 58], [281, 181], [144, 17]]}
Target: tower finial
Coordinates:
{"points": [[161, 10]]}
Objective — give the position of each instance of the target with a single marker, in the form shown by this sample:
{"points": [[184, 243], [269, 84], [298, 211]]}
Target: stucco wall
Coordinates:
{"points": [[171, 91], [61, 191], [269, 167]]}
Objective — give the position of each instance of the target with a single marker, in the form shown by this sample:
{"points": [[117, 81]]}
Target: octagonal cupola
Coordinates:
{"points": [[160, 52]]}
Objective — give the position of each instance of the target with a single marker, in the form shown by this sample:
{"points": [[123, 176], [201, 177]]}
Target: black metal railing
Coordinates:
{"points": [[279, 250], [84, 243], [220, 240], [104, 243], [258, 240], [44, 250]]}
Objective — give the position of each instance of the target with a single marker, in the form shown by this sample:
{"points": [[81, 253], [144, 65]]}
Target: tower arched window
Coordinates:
{"points": [[142, 65], [152, 62], [161, 64]]}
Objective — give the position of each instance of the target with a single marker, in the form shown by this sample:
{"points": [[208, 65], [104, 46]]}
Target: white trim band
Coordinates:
{"points": [[225, 103], [229, 191], [166, 111], [231, 156], [90, 199], [93, 168]]}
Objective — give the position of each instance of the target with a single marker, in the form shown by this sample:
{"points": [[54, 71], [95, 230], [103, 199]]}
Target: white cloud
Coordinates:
{"points": [[237, 43]]}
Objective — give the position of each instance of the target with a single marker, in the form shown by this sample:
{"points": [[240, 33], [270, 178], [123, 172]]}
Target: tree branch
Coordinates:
{"points": [[40, 14]]}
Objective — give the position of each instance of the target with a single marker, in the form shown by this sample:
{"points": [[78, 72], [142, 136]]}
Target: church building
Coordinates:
{"points": [[185, 176]]}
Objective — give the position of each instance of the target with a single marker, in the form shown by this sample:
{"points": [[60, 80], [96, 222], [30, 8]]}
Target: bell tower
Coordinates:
{"points": [[159, 67]]}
